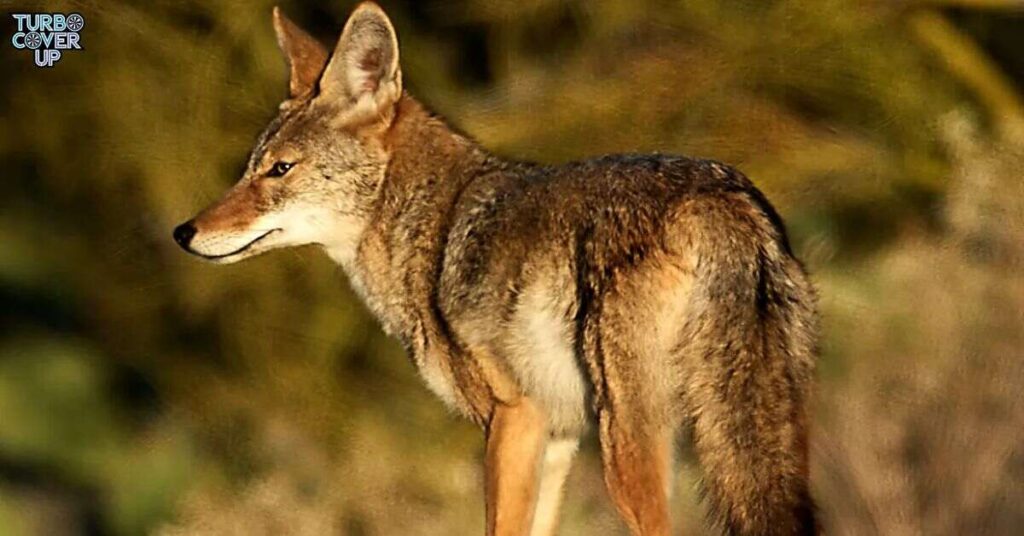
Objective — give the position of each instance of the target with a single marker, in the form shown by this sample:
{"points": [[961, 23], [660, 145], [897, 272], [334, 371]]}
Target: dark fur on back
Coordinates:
{"points": [[472, 235]]}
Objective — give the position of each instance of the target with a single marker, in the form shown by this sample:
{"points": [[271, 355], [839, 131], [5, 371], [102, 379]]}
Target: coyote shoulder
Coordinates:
{"points": [[646, 294]]}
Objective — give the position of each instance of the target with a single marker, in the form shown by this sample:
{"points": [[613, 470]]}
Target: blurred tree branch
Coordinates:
{"points": [[975, 69]]}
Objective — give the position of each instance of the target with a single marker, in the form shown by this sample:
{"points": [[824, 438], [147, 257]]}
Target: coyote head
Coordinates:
{"points": [[317, 168]]}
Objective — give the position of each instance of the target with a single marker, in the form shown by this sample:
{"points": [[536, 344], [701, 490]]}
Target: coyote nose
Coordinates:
{"points": [[183, 234]]}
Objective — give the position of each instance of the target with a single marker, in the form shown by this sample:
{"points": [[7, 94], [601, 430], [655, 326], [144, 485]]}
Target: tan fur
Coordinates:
{"points": [[306, 57], [516, 436], [647, 293], [635, 458]]}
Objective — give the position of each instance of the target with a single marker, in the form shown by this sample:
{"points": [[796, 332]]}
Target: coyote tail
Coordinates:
{"points": [[751, 340]]}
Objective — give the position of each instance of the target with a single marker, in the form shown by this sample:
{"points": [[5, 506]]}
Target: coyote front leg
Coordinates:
{"points": [[558, 455], [516, 437]]}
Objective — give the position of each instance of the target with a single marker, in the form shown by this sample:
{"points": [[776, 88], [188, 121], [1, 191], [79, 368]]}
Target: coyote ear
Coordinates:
{"points": [[363, 74], [305, 55]]}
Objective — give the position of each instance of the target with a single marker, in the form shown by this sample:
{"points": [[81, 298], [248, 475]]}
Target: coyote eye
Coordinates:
{"points": [[279, 169]]}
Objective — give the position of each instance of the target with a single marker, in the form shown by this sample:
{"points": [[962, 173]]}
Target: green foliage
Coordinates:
{"points": [[60, 420]]}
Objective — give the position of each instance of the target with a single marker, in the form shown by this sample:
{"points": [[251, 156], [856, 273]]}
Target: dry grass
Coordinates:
{"points": [[923, 433]]}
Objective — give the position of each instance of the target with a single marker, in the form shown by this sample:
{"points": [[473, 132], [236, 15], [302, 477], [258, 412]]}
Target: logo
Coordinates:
{"points": [[47, 34]]}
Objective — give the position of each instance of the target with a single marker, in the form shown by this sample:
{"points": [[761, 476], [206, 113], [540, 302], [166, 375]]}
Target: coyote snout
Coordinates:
{"points": [[184, 233], [233, 228], [640, 293]]}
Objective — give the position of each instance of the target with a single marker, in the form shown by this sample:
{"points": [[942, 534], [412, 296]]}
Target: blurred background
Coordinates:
{"points": [[143, 392]]}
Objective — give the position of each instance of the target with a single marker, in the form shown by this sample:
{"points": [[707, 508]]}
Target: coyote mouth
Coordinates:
{"points": [[240, 250]]}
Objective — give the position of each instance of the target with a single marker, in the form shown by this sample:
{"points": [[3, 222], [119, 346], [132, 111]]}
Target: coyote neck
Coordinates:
{"points": [[398, 257]]}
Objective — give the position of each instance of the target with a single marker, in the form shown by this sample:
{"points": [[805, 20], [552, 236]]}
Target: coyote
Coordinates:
{"points": [[646, 294]]}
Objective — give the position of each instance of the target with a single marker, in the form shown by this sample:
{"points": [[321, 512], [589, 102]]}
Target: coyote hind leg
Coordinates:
{"points": [[636, 460]]}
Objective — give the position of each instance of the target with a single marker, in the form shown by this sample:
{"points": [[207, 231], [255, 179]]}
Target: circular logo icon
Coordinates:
{"points": [[33, 40], [75, 22]]}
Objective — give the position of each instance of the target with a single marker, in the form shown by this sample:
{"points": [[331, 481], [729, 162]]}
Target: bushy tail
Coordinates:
{"points": [[750, 350]]}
